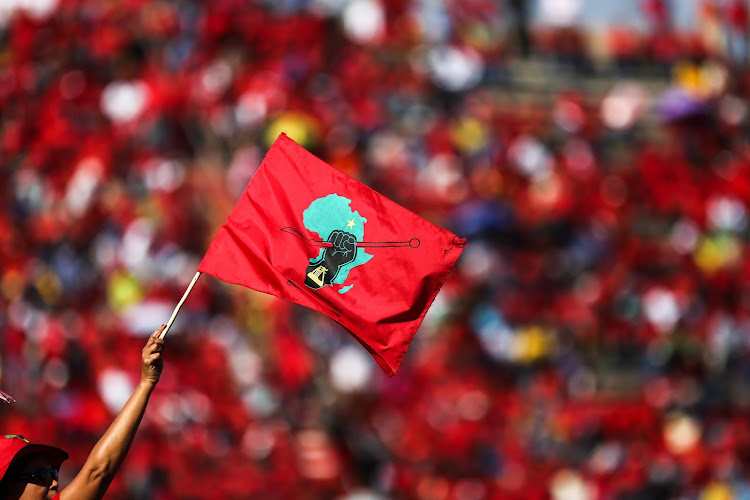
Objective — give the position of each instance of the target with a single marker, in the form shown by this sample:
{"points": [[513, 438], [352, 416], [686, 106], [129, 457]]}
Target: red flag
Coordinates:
{"points": [[310, 234]]}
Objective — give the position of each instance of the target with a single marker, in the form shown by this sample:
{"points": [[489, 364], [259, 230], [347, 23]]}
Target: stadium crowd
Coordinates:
{"points": [[590, 344]]}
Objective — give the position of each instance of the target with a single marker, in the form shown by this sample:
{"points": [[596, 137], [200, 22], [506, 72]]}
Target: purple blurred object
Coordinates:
{"points": [[676, 104], [480, 218]]}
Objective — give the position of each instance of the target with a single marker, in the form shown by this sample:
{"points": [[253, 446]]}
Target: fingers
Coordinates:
{"points": [[152, 359], [155, 336], [342, 241], [154, 345], [336, 237], [349, 241], [153, 352]]}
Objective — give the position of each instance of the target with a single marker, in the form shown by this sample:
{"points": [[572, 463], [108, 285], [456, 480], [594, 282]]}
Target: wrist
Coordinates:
{"points": [[147, 384]]}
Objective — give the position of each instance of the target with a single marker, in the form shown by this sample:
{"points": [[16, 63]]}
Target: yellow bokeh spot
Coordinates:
{"points": [[469, 135], [300, 127], [702, 80], [532, 343], [717, 491], [49, 287], [123, 290], [716, 252]]}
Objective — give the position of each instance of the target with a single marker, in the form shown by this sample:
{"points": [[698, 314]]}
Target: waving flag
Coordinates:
{"points": [[310, 234]]}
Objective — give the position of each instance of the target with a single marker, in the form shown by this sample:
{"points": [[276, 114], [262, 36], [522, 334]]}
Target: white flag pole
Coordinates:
{"points": [[179, 305]]}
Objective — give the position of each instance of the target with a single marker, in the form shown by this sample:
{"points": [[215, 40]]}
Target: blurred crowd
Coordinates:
{"points": [[590, 344]]}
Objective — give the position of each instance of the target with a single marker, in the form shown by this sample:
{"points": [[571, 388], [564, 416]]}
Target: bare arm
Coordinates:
{"points": [[108, 454]]}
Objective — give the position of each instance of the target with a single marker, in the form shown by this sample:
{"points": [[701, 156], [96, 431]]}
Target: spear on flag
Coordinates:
{"points": [[413, 243]]}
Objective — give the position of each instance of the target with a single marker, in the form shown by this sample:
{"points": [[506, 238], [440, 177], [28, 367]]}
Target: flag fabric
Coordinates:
{"points": [[310, 234]]}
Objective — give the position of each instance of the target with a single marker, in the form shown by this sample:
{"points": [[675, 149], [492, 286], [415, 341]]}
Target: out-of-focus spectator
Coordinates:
{"points": [[737, 22], [590, 343], [521, 25]]}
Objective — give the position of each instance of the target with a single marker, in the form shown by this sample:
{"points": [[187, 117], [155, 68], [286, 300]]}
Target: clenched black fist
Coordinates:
{"points": [[323, 271]]}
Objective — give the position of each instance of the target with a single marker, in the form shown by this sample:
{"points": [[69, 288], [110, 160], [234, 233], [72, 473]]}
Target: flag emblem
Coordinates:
{"points": [[334, 221], [342, 247]]}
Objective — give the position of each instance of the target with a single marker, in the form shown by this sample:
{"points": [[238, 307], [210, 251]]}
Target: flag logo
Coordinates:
{"points": [[342, 245], [337, 224]]}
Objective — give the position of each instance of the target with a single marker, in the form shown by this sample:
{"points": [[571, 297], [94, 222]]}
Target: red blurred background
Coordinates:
{"points": [[590, 344]]}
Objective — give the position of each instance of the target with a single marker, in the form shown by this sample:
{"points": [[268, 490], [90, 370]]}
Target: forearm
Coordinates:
{"points": [[110, 451], [108, 454]]}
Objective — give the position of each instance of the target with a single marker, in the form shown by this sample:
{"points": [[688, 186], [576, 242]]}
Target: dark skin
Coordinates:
{"points": [[105, 459]]}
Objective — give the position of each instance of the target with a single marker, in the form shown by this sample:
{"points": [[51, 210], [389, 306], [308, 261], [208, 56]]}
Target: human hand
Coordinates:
{"points": [[343, 251], [344, 247], [152, 362]]}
